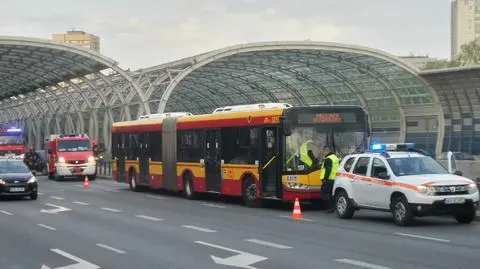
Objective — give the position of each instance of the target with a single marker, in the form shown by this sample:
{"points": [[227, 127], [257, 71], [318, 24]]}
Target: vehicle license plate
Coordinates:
{"points": [[454, 200], [17, 189]]}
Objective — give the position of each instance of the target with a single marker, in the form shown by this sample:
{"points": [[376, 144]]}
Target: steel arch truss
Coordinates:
{"points": [[49, 87], [302, 73]]}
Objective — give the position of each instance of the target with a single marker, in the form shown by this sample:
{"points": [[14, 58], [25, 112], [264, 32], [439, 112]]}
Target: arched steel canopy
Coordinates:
{"points": [[459, 94], [27, 64], [38, 74], [303, 73]]}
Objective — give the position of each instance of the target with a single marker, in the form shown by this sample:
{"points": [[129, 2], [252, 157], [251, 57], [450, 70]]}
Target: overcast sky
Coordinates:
{"points": [[142, 33]]}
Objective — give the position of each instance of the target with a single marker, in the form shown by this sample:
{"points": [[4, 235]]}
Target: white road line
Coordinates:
{"points": [[47, 227], [111, 209], [266, 243], [156, 197], [198, 228], [5, 212], [111, 248], [214, 205], [112, 190], [57, 198], [148, 218], [80, 203], [289, 217], [423, 237], [361, 264], [41, 193], [78, 185]]}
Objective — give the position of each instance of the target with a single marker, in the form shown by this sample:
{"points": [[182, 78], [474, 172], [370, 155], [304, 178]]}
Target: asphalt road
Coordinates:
{"points": [[108, 226]]}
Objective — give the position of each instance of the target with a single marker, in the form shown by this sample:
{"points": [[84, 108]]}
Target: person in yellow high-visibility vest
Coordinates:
{"points": [[328, 172], [310, 151]]}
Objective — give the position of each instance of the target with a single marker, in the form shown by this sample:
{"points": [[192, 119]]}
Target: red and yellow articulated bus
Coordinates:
{"points": [[254, 151]]}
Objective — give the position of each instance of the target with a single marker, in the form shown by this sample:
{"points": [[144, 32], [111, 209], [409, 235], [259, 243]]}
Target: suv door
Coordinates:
{"points": [[378, 191], [359, 183]]}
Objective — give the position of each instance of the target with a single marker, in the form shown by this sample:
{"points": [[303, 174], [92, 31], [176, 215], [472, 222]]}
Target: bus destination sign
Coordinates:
{"points": [[327, 117]]}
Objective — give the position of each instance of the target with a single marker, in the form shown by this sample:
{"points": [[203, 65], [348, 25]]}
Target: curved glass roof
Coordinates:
{"points": [[301, 73], [27, 64]]}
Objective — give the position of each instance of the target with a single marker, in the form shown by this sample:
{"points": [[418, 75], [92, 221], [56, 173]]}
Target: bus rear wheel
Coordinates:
{"points": [[133, 181], [188, 187], [249, 193]]}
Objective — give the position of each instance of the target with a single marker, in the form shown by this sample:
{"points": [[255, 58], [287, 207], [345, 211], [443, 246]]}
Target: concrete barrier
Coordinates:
{"points": [[470, 169]]}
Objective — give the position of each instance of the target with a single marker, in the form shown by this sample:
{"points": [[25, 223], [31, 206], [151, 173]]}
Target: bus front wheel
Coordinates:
{"points": [[249, 193]]}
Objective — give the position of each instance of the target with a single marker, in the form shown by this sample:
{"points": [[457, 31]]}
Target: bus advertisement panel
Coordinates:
{"points": [[250, 153]]}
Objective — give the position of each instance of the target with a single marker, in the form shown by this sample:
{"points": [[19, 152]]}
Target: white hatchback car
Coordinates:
{"points": [[405, 181]]}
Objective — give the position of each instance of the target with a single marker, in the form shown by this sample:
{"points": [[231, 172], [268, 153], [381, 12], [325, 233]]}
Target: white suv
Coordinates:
{"points": [[403, 180]]}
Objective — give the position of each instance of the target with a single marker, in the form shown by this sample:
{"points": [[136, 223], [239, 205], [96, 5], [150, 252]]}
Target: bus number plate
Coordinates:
{"points": [[291, 178]]}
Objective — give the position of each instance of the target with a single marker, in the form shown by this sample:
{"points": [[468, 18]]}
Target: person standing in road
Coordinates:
{"points": [[328, 172]]}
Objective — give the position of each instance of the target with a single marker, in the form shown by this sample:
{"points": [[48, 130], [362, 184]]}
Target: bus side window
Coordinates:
{"points": [[155, 146]]}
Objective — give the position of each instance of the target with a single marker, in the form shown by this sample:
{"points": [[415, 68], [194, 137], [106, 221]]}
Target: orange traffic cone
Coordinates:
{"points": [[86, 185], [297, 212]]}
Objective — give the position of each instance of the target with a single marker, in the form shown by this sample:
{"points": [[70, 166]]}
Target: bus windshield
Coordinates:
{"points": [[343, 129], [343, 140], [11, 140]]}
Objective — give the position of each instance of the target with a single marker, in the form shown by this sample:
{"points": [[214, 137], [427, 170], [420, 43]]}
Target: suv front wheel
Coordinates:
{"points": [[401, 211], [344, 206]]}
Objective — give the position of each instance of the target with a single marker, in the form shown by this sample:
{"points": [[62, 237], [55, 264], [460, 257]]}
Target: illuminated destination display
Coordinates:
{"points": [[327, 117]]}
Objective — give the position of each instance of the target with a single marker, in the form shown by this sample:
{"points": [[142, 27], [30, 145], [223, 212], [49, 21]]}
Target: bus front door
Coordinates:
{"points": [[143, 159], [269, 168], [213, 170], [121, 157]]}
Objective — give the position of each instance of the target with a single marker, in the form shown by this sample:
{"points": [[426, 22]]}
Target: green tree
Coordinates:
{"points": [[469, 54], [440, 64]]}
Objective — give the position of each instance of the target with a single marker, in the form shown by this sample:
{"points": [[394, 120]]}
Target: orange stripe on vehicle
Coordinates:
{"points": [[379, 181]]}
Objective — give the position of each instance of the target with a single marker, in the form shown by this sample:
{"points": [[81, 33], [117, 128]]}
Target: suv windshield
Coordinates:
{"points": [[74, 145], [415, 166], [13, 167]]}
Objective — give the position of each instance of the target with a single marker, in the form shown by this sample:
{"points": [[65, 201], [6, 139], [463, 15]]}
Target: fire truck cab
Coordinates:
{"points": [[70, 156]]}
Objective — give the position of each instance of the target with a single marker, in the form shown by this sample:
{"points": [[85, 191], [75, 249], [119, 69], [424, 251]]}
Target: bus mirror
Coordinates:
{"points": [[286, 127]]}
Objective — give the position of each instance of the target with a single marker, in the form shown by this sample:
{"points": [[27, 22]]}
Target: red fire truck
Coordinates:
{"points": [[12, 142], [70, 156]]}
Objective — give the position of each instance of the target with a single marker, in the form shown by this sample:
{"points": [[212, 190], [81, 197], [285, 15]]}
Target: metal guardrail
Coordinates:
{"points": [[104, 168]]}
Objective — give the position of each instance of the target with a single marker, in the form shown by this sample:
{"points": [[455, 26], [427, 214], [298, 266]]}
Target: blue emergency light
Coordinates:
{"points": [[392, 147], [14, 130]]}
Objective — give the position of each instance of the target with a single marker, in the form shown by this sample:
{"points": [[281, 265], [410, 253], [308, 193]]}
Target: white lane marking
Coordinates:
{"points": [[241, 260], [361, 264], [266, 243], [41, 193], [214, 205], [423, 237], [289, 217], [78, 185], [156, 197], [55, 211], [80, 203], [111, 209], [5, 212], [47, 227], [112, 190], [148, 218], [111, 248], [80, 263], [57, 198], [198, 228]]}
